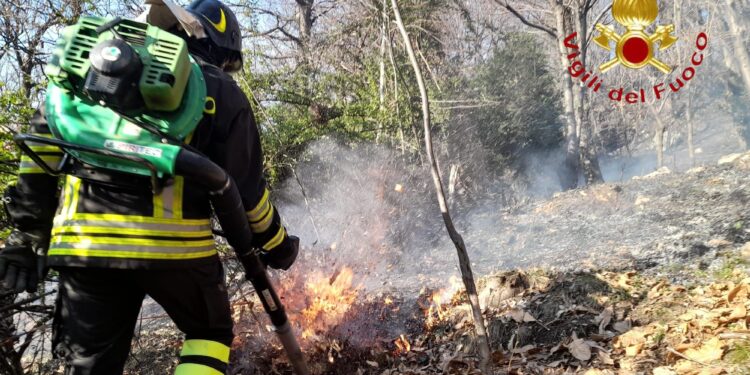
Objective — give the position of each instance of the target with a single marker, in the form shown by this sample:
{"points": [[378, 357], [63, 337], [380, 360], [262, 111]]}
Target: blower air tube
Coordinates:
{"points": [[224, 197], [230, 212]]}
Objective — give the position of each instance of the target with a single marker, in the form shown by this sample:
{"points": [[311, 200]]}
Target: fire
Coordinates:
{"points": [[402, 345], [435, 313], [327, 300]]}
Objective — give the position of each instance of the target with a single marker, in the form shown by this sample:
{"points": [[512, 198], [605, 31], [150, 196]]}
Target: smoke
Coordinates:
{"points": [[370, 208], [715, 136], [364, 207]]}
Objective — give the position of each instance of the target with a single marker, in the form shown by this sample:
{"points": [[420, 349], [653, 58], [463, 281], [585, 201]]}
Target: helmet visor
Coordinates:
{"points": [[165, 14]]}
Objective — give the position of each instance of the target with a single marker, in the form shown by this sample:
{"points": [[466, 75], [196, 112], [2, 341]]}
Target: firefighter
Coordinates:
{"points": [[113, 242]]}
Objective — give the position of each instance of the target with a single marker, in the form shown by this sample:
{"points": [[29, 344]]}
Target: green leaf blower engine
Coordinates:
{"points": [[123, 97]]}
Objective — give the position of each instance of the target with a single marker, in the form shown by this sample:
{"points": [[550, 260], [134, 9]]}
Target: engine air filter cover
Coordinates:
{"points": [[114, 75]]}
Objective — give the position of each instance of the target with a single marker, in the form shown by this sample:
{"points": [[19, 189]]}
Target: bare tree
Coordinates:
{"points": [[569, 17], [463, 255], [737, 31]]}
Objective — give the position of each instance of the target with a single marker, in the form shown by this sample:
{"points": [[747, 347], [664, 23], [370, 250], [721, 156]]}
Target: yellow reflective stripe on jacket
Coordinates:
{"points": [[89, 240], [193, 232], [158, 202], [69, 197], [70, 189], [51, 160], [153, 248], [276, 240], [168, 204], [126, 236], [74, 199], [53, 251], [134, 219], [29, 166], [178, 194], [262, 207], [206, 348], [31, 170], [43, 148], [262, 225]]}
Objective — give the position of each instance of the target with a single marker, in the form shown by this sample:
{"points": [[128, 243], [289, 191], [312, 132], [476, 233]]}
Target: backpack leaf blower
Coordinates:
{"points": [[124, 96]]}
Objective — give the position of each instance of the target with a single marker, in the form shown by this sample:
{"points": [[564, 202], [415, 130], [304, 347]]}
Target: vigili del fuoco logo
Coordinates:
{"points": [[635, 48]]}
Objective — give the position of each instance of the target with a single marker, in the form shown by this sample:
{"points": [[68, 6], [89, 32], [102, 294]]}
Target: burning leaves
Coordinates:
{"points": [[435, 311], [402, 345], [328, 298]]}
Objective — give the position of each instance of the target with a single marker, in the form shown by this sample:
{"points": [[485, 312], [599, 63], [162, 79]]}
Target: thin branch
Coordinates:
{"points": [[524, 20]]}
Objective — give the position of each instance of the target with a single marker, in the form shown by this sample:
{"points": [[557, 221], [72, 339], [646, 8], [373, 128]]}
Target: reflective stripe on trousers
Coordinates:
{"points": [[203, 357]]}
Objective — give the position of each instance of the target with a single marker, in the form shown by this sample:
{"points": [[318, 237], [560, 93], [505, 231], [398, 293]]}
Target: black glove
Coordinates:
{"points": [[283, 256], [20, 266]]}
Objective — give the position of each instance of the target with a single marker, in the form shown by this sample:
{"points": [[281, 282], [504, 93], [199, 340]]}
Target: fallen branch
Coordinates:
{"points": [[25, 301]]}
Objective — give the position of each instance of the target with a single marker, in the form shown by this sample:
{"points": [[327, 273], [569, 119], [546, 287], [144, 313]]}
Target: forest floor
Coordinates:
{"points": [[651, 276]]}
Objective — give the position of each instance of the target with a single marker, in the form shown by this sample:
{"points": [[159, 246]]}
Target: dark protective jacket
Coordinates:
{"points": [[102, 226]]}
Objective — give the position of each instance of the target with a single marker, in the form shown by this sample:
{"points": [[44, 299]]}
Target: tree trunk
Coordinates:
{"points": [[304, 20], [690, 128], [658, 136], [592, 172], [463, 256], [659, 144], [382, 78], [739, 50], [568, 173], [587, 147]]}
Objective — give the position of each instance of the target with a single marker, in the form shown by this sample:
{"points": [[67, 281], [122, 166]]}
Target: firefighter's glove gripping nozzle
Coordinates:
{"points": [[282, 257], [22, 262]]}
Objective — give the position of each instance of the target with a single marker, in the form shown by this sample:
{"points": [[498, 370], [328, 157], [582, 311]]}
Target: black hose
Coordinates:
{"points": [[230, 212], [224, 196]]}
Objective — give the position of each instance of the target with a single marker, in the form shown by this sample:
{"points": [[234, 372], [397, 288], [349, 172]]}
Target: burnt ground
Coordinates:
{"points": [[660, 219]]}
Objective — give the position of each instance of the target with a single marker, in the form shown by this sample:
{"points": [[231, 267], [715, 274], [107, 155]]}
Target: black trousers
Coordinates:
{"points": [[97, 311]]}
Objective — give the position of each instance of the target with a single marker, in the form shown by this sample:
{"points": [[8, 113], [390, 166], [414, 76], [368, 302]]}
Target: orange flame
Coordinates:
{"points": [[436, 312], [402, 345], [328, 299]]}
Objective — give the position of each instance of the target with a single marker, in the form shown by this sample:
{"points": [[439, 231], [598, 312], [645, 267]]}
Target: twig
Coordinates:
{"points": [[25, 301], [525, 20], [542, 324], [291, 167], [675, 352], [307, 205], [734, 336], [512, 351]]}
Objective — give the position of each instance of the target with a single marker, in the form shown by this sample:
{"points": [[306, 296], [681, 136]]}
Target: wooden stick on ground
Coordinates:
{"points": [[463, 256]]}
